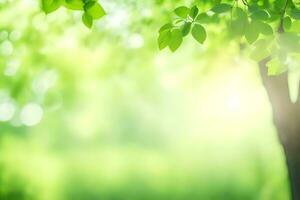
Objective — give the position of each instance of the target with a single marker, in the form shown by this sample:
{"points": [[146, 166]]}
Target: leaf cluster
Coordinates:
{"points": [[92, 9], [271, 29]]}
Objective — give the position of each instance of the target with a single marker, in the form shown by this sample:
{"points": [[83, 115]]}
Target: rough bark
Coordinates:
{"points": [[286, 116]]}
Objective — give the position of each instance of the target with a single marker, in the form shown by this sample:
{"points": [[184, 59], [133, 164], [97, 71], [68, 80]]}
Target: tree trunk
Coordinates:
{"points": [[286, 116]]}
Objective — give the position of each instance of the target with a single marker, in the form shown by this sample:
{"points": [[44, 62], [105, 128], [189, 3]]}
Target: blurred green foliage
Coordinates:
{"points": [[102, 114]]}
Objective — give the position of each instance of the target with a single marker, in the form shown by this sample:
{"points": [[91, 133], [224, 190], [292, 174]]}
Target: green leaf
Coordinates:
{"points": [[94, 9], [295, 28], [279, 4], [239, 22], [253, 8], [264, 28], [295, 14], [49, 6], [199, 33], [178, 22], [274, 16], [164, 39], [203, 18], [258, 54], [260, 15], [176, 40], [166, 27], [287, 23], [221, 8], [182, 11], [186, 28], [240, 13], [194, 12], [252, 32], [276, 67], [289, 42], [260, 50], [87, 20], [74, 4]]}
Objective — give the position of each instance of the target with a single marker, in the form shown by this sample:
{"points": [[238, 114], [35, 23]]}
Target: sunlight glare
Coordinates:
{"points": [[234, 103]]}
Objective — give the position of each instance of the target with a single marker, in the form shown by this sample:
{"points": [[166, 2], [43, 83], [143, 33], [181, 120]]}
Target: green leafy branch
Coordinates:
{"points": [[92, 9], [254, 24], [190, 21]]}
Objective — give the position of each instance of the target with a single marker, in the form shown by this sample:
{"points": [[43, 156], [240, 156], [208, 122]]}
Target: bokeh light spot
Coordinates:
{"points": [[31, 114]]}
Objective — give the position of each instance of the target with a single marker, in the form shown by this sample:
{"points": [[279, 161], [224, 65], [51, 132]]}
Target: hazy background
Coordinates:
{"points": [[102, 114]]}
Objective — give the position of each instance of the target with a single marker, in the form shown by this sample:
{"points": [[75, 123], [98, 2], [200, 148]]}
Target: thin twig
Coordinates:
{"points": [[280, 28]]}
